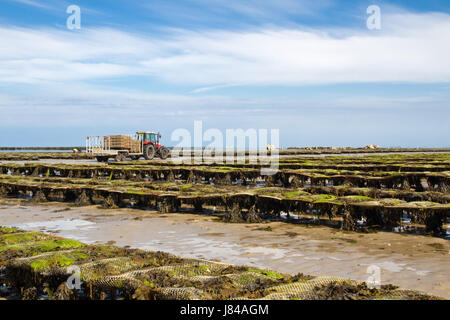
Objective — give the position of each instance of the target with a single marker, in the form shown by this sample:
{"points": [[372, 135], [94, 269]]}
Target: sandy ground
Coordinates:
{"points": [[410, 261]]}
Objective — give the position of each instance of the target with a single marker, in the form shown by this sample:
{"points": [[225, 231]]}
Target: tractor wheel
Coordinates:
{"points": [[164, 153], [102, 159], [149, 152]]}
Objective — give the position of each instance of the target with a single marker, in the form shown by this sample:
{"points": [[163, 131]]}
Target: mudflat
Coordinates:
{"points": [[410, 261]]}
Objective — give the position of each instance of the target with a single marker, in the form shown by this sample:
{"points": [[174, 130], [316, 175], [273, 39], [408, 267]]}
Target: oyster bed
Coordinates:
{"points": [[335, 188], [36, 265]]}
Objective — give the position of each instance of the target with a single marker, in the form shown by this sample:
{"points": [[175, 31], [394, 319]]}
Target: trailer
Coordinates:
{"points": [[120, 147]]}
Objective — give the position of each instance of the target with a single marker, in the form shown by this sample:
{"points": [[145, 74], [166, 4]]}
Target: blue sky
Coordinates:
{"points": [[311, 69]]}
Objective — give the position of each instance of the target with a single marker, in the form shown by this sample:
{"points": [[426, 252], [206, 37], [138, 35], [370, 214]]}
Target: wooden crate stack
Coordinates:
{"points": [[136, 146], [120, 142]]}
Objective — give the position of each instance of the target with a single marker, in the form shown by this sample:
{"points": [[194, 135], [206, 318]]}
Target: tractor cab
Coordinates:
{"points": [[151, 145], [149, 137]]}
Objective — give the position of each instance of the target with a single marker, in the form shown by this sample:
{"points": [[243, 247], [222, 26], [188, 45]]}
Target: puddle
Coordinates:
{"points": [[334, 258], [274, 253], [212, 234], [56, 225], [388, 266]]}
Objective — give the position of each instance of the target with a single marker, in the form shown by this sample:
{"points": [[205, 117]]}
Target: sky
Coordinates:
{"points": [[311, 69]]}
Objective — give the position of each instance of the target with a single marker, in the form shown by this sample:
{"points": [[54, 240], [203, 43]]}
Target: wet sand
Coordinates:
{"points": [[410, 261]]}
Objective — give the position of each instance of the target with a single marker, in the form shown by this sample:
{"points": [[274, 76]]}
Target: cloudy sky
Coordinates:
{"points": [[311, 69]]}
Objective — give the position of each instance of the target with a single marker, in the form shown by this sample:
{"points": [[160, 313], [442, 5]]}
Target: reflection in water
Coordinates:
{"points": [[56, 225]]}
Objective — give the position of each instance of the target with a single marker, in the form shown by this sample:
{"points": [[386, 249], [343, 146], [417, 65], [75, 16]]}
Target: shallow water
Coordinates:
{"points": [[57, 225]]}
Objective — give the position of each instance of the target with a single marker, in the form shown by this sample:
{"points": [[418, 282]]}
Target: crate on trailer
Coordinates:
{"points": [[120, 142], [136, 146]]}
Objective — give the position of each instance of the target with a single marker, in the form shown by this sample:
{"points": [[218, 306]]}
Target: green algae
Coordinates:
{"points": [[18, 238], [269, 273], [36, 247], [294, 194], [6, 230], [57, 260], [356, 198]]}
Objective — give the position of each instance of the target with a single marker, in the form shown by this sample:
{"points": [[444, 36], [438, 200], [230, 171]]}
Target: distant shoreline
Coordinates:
{"points": [[290, 150]]}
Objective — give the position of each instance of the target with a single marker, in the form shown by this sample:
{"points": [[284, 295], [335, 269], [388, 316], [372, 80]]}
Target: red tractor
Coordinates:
{"points": [[151, 145], [142, 144]]}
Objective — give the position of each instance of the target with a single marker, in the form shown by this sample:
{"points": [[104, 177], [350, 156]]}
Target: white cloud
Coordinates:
{"points": [[234, 13], [414, 51], [410, 48], [33, 3], [46, 77], [77, 104], [34, 56], [263, 8]]}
